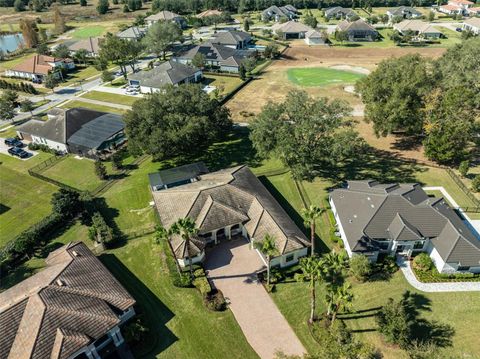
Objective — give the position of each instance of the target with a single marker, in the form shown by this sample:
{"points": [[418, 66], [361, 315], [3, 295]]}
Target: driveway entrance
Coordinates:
{"points": [[232, 267]]}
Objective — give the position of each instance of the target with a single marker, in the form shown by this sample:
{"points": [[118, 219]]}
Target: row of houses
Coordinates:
{"points": [[460, 7]]}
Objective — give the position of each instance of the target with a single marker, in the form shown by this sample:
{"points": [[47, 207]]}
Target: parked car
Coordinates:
{"points": [[13, 142], [119, 73], [458, 29], [17, 151], [131, 91]]}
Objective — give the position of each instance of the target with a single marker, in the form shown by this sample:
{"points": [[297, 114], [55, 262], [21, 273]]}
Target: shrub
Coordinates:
{"points": [[476, 183], [360, 267], [215, 301], [135, 331], [203, 285], [463, 168], [180, 280], [423, 262], [66, 203], [393, 322]]}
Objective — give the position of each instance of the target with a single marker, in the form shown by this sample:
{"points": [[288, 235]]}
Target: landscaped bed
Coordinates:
{"points": [[321, 76]]}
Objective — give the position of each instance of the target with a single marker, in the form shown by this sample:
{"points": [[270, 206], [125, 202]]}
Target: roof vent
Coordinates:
{"points": [[75, 254], [354, 216], [350, 221], [369, 199], [60, 283], [372, 205]]}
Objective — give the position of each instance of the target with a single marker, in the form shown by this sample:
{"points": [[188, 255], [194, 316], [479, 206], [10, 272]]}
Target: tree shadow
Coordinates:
{"points": [[156, 314], [405, 143], [109, 214]]}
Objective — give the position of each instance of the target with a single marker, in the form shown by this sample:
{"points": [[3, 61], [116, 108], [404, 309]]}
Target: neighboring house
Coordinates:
{"points": [[456, 7], [358, 30], [291, 30], [91, 45], [132, 33], [217, 56], [73, 308], [81, 131], [417, 27], [402, 219], [472, 25], [177, 176], [36, 67], [473, 11], [313, 37], [167, 73], [228, 203], [166, 16], [338, 13], [208, 13], [276, 13], [233, 39], [404, 12]]}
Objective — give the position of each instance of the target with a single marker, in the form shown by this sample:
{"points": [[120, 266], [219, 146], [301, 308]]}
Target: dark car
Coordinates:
{"points": [[17, 151], [13, 142], [458, 29]]}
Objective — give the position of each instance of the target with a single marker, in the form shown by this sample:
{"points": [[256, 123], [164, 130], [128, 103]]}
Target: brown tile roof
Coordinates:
{"points": [[229, 197], [92, 44], [56, 312], [38, 64], [208, 13]]}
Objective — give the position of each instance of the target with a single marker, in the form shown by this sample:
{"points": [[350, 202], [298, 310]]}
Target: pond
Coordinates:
{"points": [[9, 43]]}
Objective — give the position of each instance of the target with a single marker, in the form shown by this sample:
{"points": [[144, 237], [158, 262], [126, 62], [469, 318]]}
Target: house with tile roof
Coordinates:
{"points": [[36, 67], [208, 13], [279, 13], [74, 308], [216, 56], [166, 16], [403, 12], [358, 30], [472, 25], [167, 73], [456, 7], [338, 12], [402, 219], [91, 45], [291, 30], [224, 204], [234, 39], [418, 28], [314, 37], [135, 33]]}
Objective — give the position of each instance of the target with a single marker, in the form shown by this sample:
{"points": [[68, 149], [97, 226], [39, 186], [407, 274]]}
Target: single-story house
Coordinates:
{"points": [[80, 131], [314, 37], [338, 12], [166, 16], [234, 39], [456, 7], [402, 219], [38, 66], [291, 30], [218, 56], [473, 11], [73, 308], [208, 13], [278, 13], [167, 73], [132, 33], [404, 12], [472, 25], [228, 203], [358, 30], [91, 45], [418, 27]]}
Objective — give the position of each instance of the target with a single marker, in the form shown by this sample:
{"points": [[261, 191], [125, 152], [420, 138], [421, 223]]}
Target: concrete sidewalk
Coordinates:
{"points": [[232, 268]]}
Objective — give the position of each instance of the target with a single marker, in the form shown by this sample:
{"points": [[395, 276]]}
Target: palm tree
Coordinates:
{"points": [[310, 215], [162, 234], [268, 247], [186, 228], [338, 298], [311, 272], [334, 265]]}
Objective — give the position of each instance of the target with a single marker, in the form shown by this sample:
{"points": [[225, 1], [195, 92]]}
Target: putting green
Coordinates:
{"points": [[321, 76]]}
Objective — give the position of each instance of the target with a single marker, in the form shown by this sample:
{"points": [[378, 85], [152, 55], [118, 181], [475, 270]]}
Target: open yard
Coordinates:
{"points": [[79, 103], [225, 84], [111, 97], [88, 31], [321, 76]]}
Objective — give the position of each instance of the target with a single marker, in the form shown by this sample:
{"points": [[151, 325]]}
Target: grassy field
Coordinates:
{"points": [[79, 103], [24, 200], [225, 84], [321, 76], [88, 31], [110, 97], [79, 75]]}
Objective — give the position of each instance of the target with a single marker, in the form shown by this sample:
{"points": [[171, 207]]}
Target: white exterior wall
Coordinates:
{"points": [[340, 228], [23, 75], [196, 259], [475, 30], [51, 144], [282, 260], [313, 41], [229, 69]]}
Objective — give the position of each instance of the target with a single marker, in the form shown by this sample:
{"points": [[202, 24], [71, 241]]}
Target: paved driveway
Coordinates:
{"points": [[232, 267]]}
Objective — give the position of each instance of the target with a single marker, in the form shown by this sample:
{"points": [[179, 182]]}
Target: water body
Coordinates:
{"points": [[9, 43]]}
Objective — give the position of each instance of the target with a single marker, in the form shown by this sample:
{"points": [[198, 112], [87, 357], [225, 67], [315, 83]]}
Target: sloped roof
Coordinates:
{"points": [[358, 25], [133, 32], [215, 52], [208, 13], [169, 72], [97, 131], [401, 10], [333, 11], [92, 44], [230, 37], [314, 34], [59, 310], [415, 25], [163, 15], [38, 64], [474, 21], [53, 129], [291, 27], [369, 211], [229, 197]]}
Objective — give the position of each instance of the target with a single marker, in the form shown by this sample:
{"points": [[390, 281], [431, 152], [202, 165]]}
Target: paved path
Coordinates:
{"points": [[434, 287], [232, 267]]}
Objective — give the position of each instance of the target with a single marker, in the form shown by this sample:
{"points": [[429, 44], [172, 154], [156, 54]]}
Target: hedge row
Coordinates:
{"points": [[22, 86]]}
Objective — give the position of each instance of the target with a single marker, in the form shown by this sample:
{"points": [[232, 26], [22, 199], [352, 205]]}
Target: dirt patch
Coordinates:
{"points": [[356, 69]]}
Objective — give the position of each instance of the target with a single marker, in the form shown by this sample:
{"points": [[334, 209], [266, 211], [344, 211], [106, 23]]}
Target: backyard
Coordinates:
{"points": [[93, 106], [321, 76], [110, 97]]}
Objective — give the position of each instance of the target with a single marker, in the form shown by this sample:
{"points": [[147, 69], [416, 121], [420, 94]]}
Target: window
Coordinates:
{"points": [[418, 245], [289, 258], [463, 268]]}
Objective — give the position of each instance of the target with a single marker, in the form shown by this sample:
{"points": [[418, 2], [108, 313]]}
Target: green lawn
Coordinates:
{"points": [[79, 103], [88, 31], [80, 74], [225, 84], [24, 200], [321, 76], [110, 97]]}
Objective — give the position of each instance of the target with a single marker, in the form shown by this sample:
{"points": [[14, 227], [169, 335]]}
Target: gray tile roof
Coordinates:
{"points": [[133, 32], [53, 129], [230, 37], [372, 211], [358, 25], [167, 73], [59, 310], [92, 44], [216, 52], [229, 197], [339, 11], [402, 10], [163, 15], [291, 27]]}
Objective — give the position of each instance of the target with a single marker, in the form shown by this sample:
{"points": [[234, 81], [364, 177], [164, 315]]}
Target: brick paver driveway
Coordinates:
{"points": [[232, 266]]}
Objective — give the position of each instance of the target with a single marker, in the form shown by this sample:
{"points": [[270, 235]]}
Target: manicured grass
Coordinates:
{"points": [[80, 74], [110, 97], [225, 84], [321, 76], [88, 31], [457, 309], [79, 103], [24, 200]]}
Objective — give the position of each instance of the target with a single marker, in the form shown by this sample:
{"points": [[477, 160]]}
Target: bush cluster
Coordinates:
{"points": [[44, 148], [423, 262], [22, 86], [212, 298], [180, 280]]}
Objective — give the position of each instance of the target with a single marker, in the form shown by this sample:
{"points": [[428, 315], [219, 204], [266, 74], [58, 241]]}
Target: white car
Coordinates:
{"points": [[130, 91]]}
